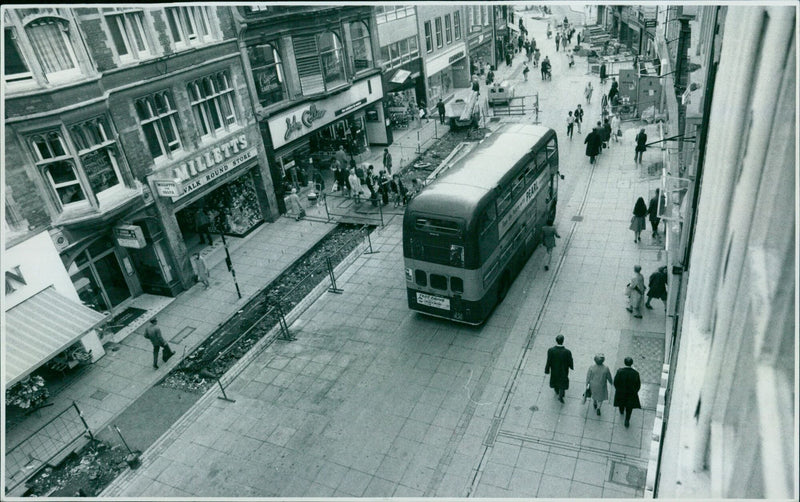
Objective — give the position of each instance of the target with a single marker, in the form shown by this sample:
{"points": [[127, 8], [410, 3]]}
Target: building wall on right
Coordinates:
{"points": [[730, 430]]}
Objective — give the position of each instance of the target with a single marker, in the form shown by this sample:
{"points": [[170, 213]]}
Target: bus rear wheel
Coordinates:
{"points": [[502, 289]]}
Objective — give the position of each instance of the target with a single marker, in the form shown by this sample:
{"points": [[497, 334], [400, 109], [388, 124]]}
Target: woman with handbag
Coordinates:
{"points": [[596, 378]]}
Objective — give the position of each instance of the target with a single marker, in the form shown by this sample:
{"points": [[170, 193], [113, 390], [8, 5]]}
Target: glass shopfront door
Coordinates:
{"points": [[98, 277]]}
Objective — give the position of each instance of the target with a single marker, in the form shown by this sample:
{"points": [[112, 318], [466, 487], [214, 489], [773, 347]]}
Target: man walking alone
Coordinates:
{"points": [[627, 384], [153, 333], [559, 362]]}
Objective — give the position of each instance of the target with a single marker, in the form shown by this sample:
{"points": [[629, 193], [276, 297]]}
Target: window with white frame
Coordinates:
{"points": [[128, 33], [15, 69], [97, 152], [438, 24], [320, 62], [448, 29], [428, 37], [189, 25], [457, 25], [265, 63], [213, 103], [159, 119], [57, 166], [52, 46], [361, 45]]}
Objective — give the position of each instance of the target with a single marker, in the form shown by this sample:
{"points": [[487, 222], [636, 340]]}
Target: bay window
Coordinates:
{"points": [[212, 103], [265, 63], [158, 118], [58, 168], [97, 152]]}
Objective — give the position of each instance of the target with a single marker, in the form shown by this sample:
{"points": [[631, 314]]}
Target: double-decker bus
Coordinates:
{"points": [[468, 234]]}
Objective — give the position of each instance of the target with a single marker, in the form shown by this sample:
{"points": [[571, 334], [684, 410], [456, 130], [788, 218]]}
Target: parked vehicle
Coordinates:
{"points": [[501, 92]]}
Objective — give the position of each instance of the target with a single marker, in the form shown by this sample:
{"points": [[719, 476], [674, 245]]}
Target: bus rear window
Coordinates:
{"points": [[438, 281], [438, 226], [420, 277]]}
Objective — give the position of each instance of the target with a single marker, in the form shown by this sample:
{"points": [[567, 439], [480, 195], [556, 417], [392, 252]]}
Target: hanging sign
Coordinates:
{"points": [[130, 236]]}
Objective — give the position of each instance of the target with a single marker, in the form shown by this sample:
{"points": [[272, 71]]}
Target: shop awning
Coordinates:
{"points": [[41, 327], [400, 76], [513, 27]]}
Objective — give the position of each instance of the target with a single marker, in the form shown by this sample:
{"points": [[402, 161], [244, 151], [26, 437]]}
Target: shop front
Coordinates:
{"points": [[219, 189], [307, 136], [405, 92], [480, 53], [445, 73]]}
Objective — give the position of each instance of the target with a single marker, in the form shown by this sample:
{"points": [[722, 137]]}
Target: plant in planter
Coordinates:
{"points": [[27, 393]]}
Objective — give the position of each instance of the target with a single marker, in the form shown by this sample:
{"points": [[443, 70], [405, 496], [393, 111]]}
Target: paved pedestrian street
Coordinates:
{"points": [[373, 400]]}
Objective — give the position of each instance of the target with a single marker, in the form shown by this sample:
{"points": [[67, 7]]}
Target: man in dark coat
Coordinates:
{"points": [[652, 211], [559, 362], [440, 108], [657, 288], [593, 141], [627, 384], [153, 333]]}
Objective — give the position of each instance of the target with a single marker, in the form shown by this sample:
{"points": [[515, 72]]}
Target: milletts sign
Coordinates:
{"points": [[188, 176]]}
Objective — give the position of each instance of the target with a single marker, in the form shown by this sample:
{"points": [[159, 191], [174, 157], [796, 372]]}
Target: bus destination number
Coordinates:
{"points": [[436, 302]]}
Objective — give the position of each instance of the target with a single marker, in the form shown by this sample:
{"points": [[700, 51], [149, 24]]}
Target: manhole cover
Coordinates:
{"points": [[577, 218], [628, 475], [99, 395]]}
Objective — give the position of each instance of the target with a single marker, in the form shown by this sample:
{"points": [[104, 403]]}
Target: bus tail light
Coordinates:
{"points": [[409, 274]]}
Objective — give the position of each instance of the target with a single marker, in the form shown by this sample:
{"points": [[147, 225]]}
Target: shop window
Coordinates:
{"points": [[158, 117], [320, 62], [58, 168], [362, 47], [98, 277], [448, 29], [267, 68], [189, 25], [212, 103], [128, 33], [15, 68], [438, 24], [52, 46], [96, 151], [428, 37], [457, 25]]}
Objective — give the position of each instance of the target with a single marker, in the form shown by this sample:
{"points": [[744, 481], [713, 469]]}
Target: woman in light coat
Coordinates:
{"points": [[615, 126], [355, 186], [596, 378]]}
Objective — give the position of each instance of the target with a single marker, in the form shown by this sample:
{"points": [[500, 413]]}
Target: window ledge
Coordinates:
{"points": [[111, 201]]}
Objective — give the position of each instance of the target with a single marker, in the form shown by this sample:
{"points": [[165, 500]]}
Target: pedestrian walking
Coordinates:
{"points": [[635, 291], [637, 220], [297, 208], [570, 124], [441, 110], [558, 39], [546, 73], [200, 269], [614, 91], [387, 160], [627, 384], [596, 378], [579, 39], [641, 146], [603, 73], [587, 91], [571, 59], [202, 225], [616, 129], [549, 236], [652, 212], [579, 117], [341, 156], [525, 71], [153, 333], [383, 187], [593, 142], [559, 362], [355, 186], [657, 287], [606, 133]]}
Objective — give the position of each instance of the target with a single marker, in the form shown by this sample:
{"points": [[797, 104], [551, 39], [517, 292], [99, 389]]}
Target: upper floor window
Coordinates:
{"points": [[362, 46], [457, 25], [438, 24], [58, 168], [319, 61], [189, 25], [128, 33], [51, 44], [428, 37], [15, 68], [392, 12], [265, 63], [212, 103], [399, 52], [159, 119], [97, 153], [448, 29]]}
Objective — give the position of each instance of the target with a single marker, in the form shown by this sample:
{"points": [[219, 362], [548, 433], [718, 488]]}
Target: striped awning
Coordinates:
{"points": [[41, 327]]}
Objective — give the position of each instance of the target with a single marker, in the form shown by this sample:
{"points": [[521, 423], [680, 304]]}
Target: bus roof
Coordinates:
{"points": [[459, 191]]}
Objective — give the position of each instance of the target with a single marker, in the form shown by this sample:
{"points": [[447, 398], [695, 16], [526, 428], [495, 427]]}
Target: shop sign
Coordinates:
{"points": [[350, 107], [168, 188], [292, 124], [208, 176], [455, 57], [130, 236]]}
